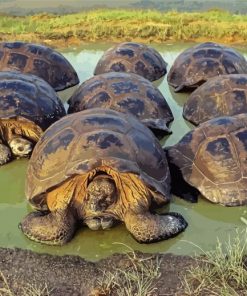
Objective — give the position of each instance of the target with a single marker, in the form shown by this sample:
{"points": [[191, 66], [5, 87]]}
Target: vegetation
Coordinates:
{"points": [[28, 290], [222, 271], [138, 278], [124, 25]]}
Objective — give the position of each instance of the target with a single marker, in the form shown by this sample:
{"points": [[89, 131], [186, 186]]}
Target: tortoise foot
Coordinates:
{"points": [[149, 228], [55, 228], [5, 154]]}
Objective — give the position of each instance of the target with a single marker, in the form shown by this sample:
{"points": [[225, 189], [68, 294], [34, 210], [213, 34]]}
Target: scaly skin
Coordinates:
{"points": [[5, 154], [100, 208], [55, 228], [148, 228]]}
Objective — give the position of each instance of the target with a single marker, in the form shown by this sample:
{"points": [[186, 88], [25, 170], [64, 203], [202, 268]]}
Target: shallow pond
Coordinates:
{"points": [[207, 221]]}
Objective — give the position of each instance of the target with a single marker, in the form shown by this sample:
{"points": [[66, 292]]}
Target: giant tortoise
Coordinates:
{"points": [[213, 159], [219, 96], [39, 60], [197, 64], [132, 57], [124, 92], [98, 166], [28, 105]]}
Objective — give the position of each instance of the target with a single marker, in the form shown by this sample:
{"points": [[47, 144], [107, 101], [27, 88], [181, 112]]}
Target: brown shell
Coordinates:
{"points": [[127, 93], [83, 141], [30, 97], [225, 95], [197, 64], [213, 158], [133, 58], [39, 60]]}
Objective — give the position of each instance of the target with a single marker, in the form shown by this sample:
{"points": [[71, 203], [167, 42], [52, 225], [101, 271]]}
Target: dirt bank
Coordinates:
{"points": [[73, 276]]}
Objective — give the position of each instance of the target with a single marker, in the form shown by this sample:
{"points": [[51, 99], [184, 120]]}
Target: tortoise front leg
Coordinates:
{"points": [[149, 228], [5, 153], [54, 228]]}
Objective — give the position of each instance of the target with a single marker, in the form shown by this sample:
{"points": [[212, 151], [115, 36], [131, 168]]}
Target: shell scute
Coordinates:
{"points": [[100, 142], [30, 97], [225, 95], [17, 60], [39, 60], [201, 62], [125, 51], [216, 162], [124, 92], [135, 106], [132, 58]]}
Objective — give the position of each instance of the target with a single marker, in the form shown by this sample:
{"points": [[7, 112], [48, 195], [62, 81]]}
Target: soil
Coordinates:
{"points": [[74, 276]]}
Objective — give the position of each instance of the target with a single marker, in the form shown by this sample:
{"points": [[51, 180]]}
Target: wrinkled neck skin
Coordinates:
{"points": [[19, 145], [10, 128], [101, 198], [111, 196]]}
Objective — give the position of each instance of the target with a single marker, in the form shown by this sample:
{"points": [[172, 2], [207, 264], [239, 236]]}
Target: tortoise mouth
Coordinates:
{"points": [[100, 221], [102, 215]]}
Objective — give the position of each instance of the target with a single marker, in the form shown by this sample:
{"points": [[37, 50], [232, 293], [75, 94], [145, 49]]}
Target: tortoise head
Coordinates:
{"points": [[21, 147], [101, 194]]}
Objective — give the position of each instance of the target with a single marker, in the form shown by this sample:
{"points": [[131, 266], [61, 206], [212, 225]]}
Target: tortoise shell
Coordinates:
{"points": [[38, 60], [197, 64], [132, 57], [124, 92], [212, 158], [86, 140], [219, 96], [30, 97]]}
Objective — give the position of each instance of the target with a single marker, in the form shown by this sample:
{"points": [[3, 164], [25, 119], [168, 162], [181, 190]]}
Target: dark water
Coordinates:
{"points": [[207, 222]]}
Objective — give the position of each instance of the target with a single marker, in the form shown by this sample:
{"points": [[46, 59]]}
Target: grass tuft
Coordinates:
{"points": [[138, 278], [4, 289], [28, 290], [222, 271]]}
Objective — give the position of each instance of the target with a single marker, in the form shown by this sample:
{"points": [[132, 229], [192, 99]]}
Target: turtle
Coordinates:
{"points": [[39, 60], [28, 105], [197, 64], [132, 57], [125, 92], [97, 167], [219, 96], [211, 159]]}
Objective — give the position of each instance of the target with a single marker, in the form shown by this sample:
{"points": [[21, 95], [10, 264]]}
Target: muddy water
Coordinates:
{"points": [[207, 222]]}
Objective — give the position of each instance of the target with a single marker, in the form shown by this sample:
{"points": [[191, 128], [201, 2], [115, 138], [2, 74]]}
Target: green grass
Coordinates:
{"points": [[123, 24], [222, 271]]}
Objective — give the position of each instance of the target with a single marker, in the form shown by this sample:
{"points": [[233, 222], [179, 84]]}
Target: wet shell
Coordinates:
{"points": [[38, 60], [197, 64], [134, 58], [30, 97], [219, 96], [124, 92], [212, 158], [86, 140]]}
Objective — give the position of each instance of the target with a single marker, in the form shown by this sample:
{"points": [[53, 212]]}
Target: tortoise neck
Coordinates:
{"points": [[101, 175]]}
